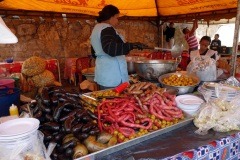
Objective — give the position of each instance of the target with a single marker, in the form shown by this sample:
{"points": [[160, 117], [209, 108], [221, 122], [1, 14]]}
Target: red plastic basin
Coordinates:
{"points": [[7, 82]]}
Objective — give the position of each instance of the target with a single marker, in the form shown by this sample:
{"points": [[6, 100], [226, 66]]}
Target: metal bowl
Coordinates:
{"points": [[152, 69], [130, 63], [182, 89], [90, 77]]}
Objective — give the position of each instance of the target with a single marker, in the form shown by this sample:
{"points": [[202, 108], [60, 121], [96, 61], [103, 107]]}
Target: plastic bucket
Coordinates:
{"points": [[7, 82], [16, 83], [7, 99]]}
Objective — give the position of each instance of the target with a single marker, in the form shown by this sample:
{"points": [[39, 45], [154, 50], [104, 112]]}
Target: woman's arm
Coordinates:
{"points": [[110, 44], [195, 26]]}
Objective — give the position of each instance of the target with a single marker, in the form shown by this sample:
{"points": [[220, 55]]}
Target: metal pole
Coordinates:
{"points": [[235, 42], [162, 34]]}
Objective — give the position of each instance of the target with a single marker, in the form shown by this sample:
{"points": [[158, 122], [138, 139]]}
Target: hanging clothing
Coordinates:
{"points": [[111, 65]]}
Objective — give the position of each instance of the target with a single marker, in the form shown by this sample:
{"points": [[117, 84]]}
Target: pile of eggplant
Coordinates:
{"points": [[62, 114]]}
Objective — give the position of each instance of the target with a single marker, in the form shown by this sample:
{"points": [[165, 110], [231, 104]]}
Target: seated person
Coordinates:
{"points": [[204, 43], [216, 42]]}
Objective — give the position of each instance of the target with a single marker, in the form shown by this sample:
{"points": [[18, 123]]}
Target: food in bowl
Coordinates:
{"points": [[177, 80]]}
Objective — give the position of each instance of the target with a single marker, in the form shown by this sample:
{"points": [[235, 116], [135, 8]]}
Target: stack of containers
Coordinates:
{"points": [[20, 133]]}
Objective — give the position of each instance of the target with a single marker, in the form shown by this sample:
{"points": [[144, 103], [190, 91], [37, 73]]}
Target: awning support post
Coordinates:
{"points": [[235, 42]]}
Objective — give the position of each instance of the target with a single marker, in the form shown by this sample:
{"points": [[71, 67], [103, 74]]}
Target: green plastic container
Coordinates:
{"points": [[16, 80]]}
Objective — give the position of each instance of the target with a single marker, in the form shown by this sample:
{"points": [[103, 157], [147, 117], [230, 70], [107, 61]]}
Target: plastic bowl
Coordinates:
{"points": [[9, 60]]}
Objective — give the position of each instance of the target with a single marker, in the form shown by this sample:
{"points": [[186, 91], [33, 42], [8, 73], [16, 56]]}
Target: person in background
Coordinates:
{"points": [[190, 37], [169, 32], [204, 43], [109, 49], [216, 42]]}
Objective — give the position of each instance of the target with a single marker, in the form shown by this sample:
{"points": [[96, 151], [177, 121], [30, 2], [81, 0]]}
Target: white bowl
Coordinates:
{"points": [[189, 108]]}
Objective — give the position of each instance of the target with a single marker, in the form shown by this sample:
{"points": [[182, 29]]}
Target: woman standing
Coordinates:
{"points": [[109, 50], [169, 32]]}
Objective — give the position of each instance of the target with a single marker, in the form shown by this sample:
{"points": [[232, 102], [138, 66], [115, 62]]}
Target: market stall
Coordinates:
{"points": [[145, 117]]}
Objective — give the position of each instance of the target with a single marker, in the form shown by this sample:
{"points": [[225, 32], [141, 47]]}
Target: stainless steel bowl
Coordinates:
{"points": [[130, 63], [90, 77], [182, 89], [153, 69]]}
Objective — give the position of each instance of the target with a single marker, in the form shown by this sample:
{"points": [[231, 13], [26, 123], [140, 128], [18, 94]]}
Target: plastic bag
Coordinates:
{"points": [[218, 114], [232, 81], [32, 148], [203, 67]]}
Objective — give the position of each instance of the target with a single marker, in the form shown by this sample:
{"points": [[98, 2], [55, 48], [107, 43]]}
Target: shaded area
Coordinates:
{"points": [[168, 144]]}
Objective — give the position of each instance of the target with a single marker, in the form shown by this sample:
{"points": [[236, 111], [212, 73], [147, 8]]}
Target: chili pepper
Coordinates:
{"points": [[156, 124], [119, 140], [132, 113], [124, 129], [111, 113], [151, 130], [134, 107], [108, 129], [137, 125], [68, 124]]}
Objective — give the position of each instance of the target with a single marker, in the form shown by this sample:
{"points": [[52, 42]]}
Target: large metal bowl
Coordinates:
{"points": [[182, 89], [130, 63], [152, 69]]}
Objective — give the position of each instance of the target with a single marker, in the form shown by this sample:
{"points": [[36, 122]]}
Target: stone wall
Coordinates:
{"points": [[54, 40]]}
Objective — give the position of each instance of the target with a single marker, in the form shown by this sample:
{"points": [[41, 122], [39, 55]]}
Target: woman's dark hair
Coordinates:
{"points": [[171, 23], [107, 12], [217, 35], [206, 38]]}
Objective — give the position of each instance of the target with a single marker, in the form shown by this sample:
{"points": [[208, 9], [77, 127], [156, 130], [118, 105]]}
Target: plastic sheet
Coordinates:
{"points": [[232, 81], [168, 144]]}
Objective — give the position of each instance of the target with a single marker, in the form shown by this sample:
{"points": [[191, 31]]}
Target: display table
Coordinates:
{"points": [[184, 144], [70, 70], [5, 67]]}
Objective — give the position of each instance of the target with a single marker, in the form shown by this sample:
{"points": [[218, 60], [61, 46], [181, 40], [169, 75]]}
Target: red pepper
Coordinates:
{"points": [[189, 154], [111, 113], [156, 124], [119, 140]]}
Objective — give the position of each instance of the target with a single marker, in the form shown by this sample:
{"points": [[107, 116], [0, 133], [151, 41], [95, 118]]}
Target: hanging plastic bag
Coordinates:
{"points": [[203, 67]]}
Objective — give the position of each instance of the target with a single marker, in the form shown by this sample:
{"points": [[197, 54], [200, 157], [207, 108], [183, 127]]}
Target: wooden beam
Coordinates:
{"points": [[235, 42]]}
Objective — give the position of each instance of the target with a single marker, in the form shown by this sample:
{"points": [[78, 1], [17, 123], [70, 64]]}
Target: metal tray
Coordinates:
{"points": [[187, 119]]}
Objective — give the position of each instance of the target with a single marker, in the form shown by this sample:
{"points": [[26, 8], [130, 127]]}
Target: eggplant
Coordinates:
{"points": [[59, 94], [69, 152], [72, 143], [81, 113], [92, 115], [47, 136], [87, 127], [57, 112], [68, 124], [54, 101], [68, 115], [87, 119], [49, 117], [51, 126], [43, 108], [45, 97], [94, 132], [82, 136], [77, 128]]}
